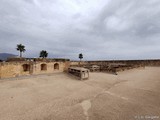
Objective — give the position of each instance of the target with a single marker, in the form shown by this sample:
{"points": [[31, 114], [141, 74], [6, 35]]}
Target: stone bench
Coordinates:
{"points": [[80, 72]]}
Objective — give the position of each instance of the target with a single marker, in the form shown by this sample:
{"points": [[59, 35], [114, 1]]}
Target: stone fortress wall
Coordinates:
{"points": [[154, 62], [115, 66], [29, 67], [21, 68]]}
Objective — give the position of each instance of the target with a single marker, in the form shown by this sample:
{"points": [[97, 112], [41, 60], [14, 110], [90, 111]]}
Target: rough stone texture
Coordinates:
{"points": [[15, 69], [130, 62]]}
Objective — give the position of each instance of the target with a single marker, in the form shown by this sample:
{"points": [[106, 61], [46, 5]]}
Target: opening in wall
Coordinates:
{"points": [[26, 67], [43, 66], [56, 66]]}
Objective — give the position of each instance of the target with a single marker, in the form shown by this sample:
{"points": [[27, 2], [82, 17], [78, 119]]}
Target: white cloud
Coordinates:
{"points": [[101, 29]]}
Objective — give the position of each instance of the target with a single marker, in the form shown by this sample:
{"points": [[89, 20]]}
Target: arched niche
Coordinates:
{"points": [[26, 67], [43, 67], [56, 66]]}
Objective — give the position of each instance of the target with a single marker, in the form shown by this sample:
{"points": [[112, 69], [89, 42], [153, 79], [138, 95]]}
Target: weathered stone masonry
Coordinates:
{"points": [[15, 69], [20, 68], [154, 62]]}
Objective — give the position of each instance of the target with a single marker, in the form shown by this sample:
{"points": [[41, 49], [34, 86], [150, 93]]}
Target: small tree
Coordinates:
{"points": [[21, 48], [43, 54], [80, 57]]}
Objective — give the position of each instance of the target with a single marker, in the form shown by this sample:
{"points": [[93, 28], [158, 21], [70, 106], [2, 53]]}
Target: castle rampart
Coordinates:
{"points": [[15, 69], [33, 67], [154, 62]]}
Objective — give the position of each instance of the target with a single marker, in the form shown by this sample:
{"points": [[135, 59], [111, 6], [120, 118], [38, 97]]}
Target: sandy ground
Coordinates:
{"points": [[130, 95]]}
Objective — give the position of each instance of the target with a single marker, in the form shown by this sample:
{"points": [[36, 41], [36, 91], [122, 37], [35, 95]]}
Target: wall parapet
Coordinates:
{"points": [[149, 62]]}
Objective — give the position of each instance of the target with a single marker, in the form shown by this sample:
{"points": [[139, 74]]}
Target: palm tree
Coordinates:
{"points": [[43, 54], [21, 48], [80, 56]]}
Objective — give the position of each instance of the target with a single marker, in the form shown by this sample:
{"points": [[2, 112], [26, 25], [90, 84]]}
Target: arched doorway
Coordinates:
{"points": [[56, 66], [26, 67], [43, 66]]}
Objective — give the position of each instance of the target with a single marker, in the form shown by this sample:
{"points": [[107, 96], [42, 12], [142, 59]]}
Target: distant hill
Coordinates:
{"points": [[4, 56]]}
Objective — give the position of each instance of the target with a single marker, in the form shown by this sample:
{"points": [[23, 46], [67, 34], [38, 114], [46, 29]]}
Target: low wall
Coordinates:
{"points": [[155, 62]]}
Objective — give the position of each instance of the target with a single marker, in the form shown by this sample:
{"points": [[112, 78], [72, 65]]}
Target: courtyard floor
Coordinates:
{"points": [[130, 95]]}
